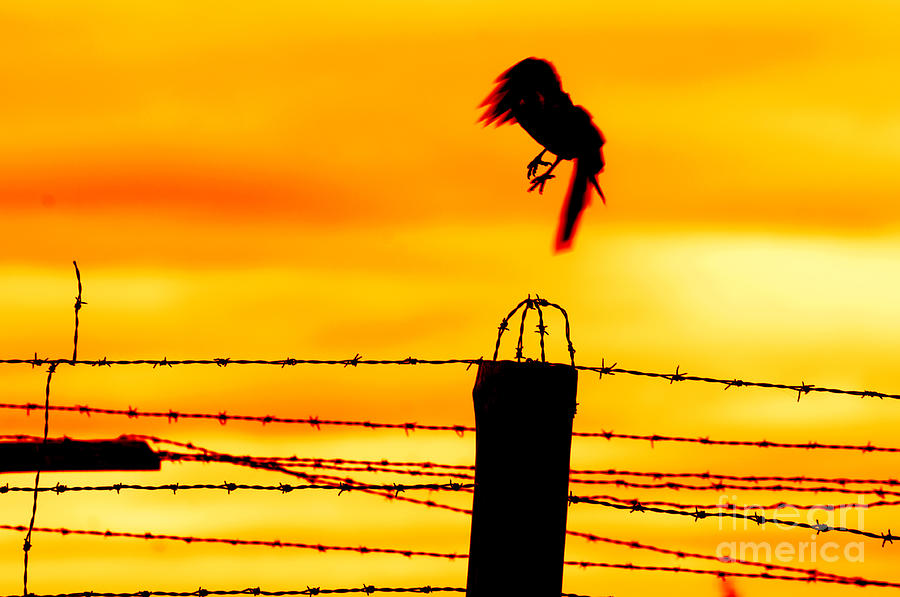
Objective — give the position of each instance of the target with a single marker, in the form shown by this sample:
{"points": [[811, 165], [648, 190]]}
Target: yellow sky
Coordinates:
{"points": [[280, 179]]}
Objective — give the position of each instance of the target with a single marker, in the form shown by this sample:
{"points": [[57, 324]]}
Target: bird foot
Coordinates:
{"points": [[538, 182], [534, 164]]}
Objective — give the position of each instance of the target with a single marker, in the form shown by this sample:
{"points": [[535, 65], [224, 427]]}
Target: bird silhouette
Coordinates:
{"points": [[531, 94]]}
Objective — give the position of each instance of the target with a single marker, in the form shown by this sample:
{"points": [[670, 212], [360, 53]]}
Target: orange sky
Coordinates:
{"points": [[278, 179]]}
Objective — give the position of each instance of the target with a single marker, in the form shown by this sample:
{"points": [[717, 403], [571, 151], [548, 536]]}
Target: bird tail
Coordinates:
{"points": [[576, 200]]}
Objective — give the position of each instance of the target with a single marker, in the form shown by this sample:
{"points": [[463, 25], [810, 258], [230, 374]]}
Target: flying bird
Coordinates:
{"points": [[531, 94]]}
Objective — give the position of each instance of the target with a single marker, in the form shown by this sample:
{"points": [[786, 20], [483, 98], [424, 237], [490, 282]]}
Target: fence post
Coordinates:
{"points": [[523, 421]]}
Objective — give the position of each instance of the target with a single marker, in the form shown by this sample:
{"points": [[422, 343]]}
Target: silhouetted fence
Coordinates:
{"points": [[455, 473]]}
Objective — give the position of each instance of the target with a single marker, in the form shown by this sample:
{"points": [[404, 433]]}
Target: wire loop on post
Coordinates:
{"points": [[534, 303]]}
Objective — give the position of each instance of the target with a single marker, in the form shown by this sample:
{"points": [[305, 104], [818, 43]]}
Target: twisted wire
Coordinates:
{"points": [[759, 519], [801, 389]]}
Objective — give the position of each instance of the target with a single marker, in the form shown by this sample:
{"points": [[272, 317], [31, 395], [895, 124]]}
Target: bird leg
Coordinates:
{"points": [[537, 162], [538, 182]]}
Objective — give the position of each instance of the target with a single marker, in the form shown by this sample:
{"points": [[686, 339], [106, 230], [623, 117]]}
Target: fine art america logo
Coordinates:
{"points": [[813, 550]]}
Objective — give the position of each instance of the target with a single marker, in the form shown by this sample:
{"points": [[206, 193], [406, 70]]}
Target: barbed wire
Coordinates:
{"points": [[350, 484], [223, 417], [269, 463], [206, 455], [234, 541], [363, 549], [429, 468], [856, 581], [414, 469], [632, 506], [347, 485], [230, 487], [422, 464], [422, 467], [384, 466], [394, 489], [225, 361], [706, 441], [201, 592], [26, 546], [722, 486], [801, 389], [759, 519], [733, 506], [281, 464], [78, 304], [373, 468], [725, 477], [51, 369], [807, 577], [536, 304], [328, 464], [316, 422], [811, 572]]}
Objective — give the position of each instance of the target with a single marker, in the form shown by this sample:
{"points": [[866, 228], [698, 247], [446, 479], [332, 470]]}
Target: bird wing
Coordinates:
{"points": [[521, 93]]}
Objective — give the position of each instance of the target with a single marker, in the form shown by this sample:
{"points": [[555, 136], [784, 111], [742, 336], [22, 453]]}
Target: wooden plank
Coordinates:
{"points": [[75, 455]]}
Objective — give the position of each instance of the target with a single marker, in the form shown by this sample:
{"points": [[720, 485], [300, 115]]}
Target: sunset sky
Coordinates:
{"points": [[288, 179]]}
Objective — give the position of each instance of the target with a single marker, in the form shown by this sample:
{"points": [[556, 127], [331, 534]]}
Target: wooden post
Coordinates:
{"points": [[523, 420], [73, 455]]}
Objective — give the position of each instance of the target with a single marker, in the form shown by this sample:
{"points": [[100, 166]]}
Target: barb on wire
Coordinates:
{"points": [[255, 542], [759, 519], [230, 487], [541, 328]]}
